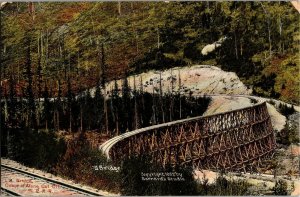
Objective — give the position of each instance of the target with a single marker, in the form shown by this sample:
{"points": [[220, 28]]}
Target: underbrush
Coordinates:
{"points": [[223, 187], [286, 110], [39, 149], [83, 164], [73, 158], [288, 135], [132, 182]]}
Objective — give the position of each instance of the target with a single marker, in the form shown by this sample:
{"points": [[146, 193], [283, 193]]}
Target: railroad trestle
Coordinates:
{"points": [[236, 140]]}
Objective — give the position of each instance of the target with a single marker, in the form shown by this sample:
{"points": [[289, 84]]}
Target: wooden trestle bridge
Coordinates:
{"points": [[236, 140]]}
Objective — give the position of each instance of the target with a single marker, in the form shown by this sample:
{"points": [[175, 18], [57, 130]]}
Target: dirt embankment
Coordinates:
{"points": [[195, 80]]}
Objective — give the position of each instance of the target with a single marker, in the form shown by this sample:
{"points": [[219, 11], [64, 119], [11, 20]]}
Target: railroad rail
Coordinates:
{"points": [[16, 182], [6, 192], [237, 140]]}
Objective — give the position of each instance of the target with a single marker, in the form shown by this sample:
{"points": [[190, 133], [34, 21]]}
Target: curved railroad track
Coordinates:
{"points": [[231, 140], [16, 182]]}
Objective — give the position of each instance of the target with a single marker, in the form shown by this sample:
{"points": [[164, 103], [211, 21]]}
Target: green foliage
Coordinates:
{"points": [[223, 186], [110, 177], [272, 102], [38, 149], [47, 107], [262, 38], [82, 163], [288, 135], [254, 101], [92, 42], [280, 188], [75, 159], [286, 110], [125, 113], [132, 183], [29, 89], [286, 82]]}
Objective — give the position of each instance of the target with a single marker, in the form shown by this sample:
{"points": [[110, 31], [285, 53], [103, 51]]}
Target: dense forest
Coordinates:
{"points": [[82, 43], [114, 115], [53, 53]]}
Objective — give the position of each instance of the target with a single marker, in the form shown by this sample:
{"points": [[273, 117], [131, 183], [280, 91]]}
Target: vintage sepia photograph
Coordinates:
{"points": [[150, 98]]}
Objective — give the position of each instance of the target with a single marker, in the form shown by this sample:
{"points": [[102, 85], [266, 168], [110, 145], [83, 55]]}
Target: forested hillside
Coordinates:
{"points": [[82, 44], [69, 81]]}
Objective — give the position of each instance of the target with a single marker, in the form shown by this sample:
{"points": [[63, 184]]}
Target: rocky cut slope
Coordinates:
{"points": [[226, 90], [195, 80]]}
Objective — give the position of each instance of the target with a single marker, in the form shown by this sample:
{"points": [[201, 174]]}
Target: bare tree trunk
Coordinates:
{"points": [[31, 10], [105, 110], [236, 47], [42, 45], [117, 123], [280, 32], [161, 99], [141, 84], [47, 46], [158, 38], [38, 45], [54, 113], [136, 116], [70, 117], [27, 118], [38, 113], [22, 109], [269, 38], [119, 8], [57, 120], [153, 122], [18, 68], [172, 81], [114, 111], [172, 90], [77, 69], [38, 110], [54, 120], [269, 29], [179, 90], [81, 125], [143, 103], [241, 48], [60, 48]]}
